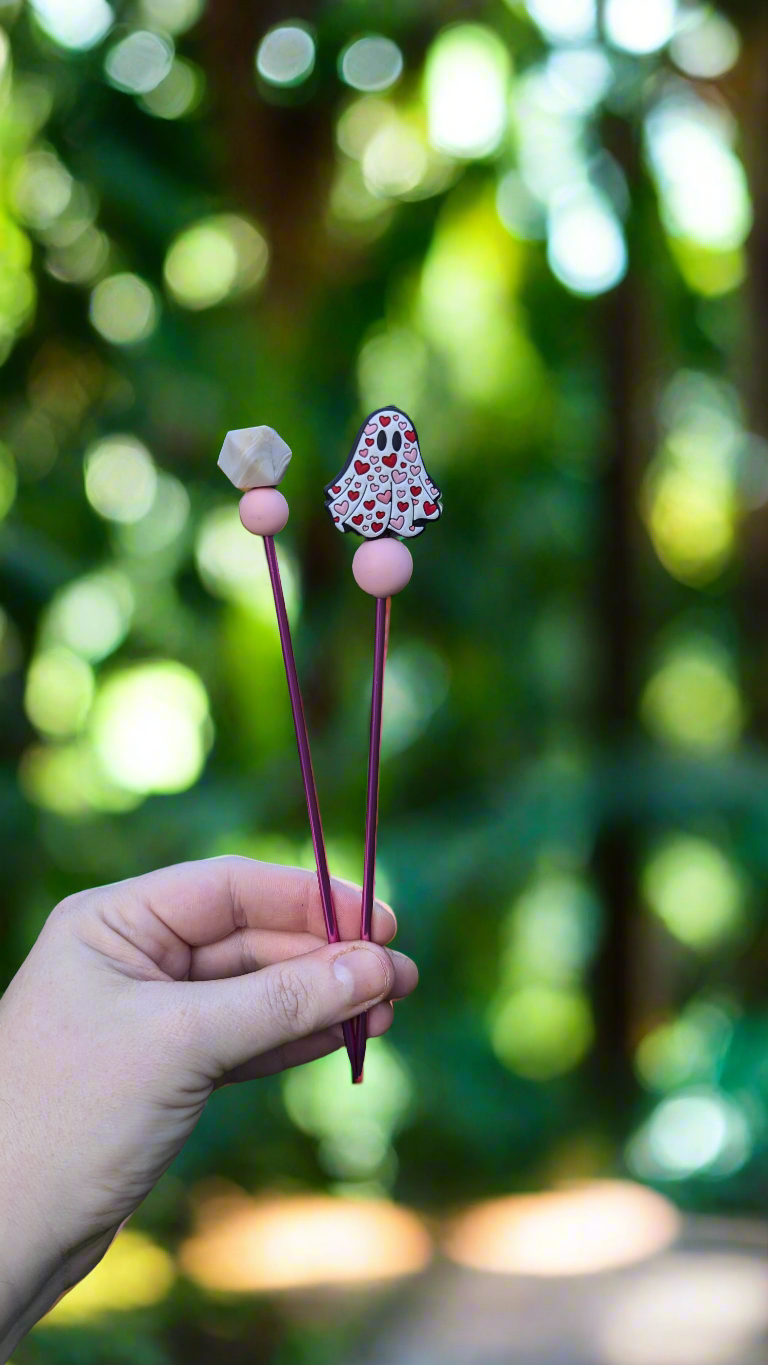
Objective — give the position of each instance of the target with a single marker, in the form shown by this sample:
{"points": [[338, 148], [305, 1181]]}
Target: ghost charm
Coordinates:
{"points": [[384, 488]]}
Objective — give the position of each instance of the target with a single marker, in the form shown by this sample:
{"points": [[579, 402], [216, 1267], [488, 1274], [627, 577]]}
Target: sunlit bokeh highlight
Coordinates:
{"points": [[41, 188], [640, 28], [540, 1017], [76, 24], [355, 1125], [541, 1031], [466, 78], [586, 247], [219, 257], [696, 891], [687, 1050], [178, 94], [234, 567], [699, 1132], [91, 615], [135, 1273], [139, 62], [286, 55], [172, 16], [151, 728], [59, 692], [120, 478], [704, 193], [579, 1231], [564, 21], [371, 63], [123, 309], [162, 524], [67, 780], [692, 701], [293, 1241], [691, 495], [706, 44]]}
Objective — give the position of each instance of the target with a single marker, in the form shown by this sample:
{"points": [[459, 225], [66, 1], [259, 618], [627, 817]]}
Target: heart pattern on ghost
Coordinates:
{"points": [[385, 457]]}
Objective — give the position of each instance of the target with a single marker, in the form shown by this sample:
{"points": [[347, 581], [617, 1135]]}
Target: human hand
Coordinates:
{"points": [[137, 1000]]}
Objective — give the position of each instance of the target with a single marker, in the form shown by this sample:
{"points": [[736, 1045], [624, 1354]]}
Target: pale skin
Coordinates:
{"points": [[136, 1002]]}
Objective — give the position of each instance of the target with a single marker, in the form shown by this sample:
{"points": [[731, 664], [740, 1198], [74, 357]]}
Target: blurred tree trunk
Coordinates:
{"points": [[622, 328]]}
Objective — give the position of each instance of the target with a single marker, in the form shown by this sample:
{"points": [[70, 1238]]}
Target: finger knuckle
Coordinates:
{"points": [[290, 999]]}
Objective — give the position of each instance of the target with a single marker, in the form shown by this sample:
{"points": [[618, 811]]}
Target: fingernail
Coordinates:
{"points": [[361, 974]]}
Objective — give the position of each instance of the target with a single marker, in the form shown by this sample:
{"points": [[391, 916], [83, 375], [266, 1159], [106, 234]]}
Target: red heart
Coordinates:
{"points": [[369, 440], [361, 466], [429, 508], [377, 525], [402, 507], [336, 488], [335, 518], [357, 520], [390, 461], [369, 505], [416, 489], [385, 421], [410, 435], [402, 464], [353, 494]]}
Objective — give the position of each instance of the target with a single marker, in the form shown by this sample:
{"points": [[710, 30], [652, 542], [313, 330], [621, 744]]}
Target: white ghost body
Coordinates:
{"points": [[384, 486]]}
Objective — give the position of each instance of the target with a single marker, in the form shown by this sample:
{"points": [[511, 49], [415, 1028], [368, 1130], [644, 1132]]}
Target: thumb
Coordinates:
{"points": [[237, 1019]]}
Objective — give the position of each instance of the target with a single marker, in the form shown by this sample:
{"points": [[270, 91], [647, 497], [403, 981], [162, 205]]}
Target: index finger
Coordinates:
{"points": [[203, 902]]}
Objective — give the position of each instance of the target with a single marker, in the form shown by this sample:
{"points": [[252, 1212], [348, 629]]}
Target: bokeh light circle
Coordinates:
{"points": [[372, 63]]}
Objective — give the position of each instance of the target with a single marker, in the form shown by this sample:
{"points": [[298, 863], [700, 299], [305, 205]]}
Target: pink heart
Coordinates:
{"points": [[399, 475], [342, 507], [374, 486], [357, 485], [396, 523], [384, 497], [402, 425], [347, 480], [371, 427], [414, 469]]}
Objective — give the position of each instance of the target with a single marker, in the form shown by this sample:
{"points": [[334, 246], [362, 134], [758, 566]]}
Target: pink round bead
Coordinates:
{"points": [[382, 567], [263, 511]]}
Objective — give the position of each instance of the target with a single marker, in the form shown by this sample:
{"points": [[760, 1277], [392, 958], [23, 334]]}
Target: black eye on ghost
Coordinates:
{"points": [[397, 440], [381, 440]]}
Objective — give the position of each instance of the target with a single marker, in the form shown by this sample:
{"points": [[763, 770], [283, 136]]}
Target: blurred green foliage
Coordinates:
{"points": [[544, 240]]}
